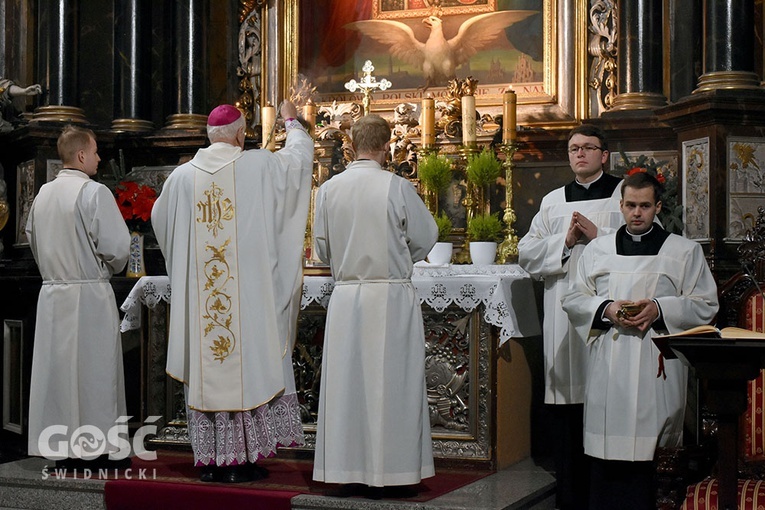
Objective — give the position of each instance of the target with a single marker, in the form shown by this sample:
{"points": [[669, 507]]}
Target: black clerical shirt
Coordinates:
{"points": [[602, 188]]}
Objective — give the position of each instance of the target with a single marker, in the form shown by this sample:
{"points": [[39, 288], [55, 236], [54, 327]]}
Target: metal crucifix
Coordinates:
{"points": [[368, 84]]}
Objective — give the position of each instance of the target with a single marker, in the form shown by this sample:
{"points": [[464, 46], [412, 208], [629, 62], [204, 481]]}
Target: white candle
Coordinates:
{"points": [[268, 119], [468, 120], [509, 102], [428, 122]]}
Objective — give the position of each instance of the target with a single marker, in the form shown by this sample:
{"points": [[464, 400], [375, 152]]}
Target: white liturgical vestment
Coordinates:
{"points": [[231, 225], [373, 426], [629, 411], [541, 254], [78, 239]]}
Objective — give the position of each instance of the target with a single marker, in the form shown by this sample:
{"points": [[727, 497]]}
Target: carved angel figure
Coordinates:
{"points": [[9, 90], [439, 57]]}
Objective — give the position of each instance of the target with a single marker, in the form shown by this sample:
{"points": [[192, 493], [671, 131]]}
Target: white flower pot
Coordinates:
{"points": [[441, 253], [483, 253]]}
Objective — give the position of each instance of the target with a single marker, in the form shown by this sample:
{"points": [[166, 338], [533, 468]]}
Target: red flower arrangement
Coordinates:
{"points": [[657, 173], [135, 202]]}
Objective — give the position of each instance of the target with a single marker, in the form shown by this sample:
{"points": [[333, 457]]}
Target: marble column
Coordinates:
{"points": [[132, 79], [729, 46], [190, 61], [639, 46], [57, 33]]}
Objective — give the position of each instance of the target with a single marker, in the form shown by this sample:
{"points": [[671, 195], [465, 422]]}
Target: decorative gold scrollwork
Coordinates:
{"points": [[602, 47], [250, 51]]}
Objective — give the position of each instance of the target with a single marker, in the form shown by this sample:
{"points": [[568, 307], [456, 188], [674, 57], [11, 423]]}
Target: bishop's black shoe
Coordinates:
{"points": [[208, 473], [234, 474]]}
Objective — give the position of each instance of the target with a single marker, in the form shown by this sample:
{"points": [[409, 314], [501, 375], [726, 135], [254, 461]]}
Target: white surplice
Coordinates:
{"points": [[629, 411], [540, 253], [373, 426], [269, 207], [78, 239]]}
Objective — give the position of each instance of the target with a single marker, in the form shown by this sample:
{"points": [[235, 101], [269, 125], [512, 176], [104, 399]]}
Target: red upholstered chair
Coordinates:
{"points": [[752, 432], [742, 305]]}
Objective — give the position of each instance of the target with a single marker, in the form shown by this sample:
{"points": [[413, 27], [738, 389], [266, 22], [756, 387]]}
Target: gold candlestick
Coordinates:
{"points": [[508, 249], [470, 201]]}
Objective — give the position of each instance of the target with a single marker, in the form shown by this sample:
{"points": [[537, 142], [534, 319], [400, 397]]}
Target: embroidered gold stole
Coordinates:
{"points": [[218, 286]]}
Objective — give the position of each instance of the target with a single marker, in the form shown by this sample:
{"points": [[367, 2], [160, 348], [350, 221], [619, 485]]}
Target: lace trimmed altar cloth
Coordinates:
{"points": [[506, 291]]}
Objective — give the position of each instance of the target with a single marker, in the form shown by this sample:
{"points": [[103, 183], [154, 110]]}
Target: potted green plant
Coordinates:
{"points": [[435, 174], [482, 170], [441, 253], [484, 232]]}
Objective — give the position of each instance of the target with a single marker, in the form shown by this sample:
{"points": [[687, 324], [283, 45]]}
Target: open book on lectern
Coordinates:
{"points": [[713, 332]]}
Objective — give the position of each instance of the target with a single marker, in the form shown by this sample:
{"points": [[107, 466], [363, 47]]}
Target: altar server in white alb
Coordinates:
{"points": [[231, 224], [569, 218], [371, 226], [79, 240], [629, 411]]}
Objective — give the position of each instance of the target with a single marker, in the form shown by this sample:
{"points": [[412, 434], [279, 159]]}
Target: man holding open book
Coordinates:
{"points": [[629, 286]]}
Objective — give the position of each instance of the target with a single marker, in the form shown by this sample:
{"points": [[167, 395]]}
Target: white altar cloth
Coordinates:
{"points": [[505, 290]]}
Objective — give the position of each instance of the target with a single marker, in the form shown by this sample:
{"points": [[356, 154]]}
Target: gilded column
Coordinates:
{"points": [[57, 64], [639, 43], [190, 61], [728, 46], [132, 36]]}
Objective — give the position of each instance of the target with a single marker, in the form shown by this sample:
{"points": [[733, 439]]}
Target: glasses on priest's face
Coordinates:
{"points": [[574, 149]]}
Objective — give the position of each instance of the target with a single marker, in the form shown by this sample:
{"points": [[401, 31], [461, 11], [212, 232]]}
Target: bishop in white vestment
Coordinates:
{"points": [[629, 410], [231, 224], [79, 240], [371, 226]]}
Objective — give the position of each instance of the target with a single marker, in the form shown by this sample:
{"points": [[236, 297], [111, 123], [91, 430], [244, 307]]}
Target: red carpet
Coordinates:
{"points": [[172, 482]]}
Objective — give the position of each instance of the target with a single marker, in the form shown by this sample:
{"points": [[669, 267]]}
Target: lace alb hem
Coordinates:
{"points": [[233, 438]]}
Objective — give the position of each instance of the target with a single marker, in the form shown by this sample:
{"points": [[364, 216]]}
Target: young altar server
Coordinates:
{"points": [[231, 225], [569, 218], [371, 226], [629, 411], [79, 240]]}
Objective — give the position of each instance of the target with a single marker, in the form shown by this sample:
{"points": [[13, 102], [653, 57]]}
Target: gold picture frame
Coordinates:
{"points": [[558, 98]]}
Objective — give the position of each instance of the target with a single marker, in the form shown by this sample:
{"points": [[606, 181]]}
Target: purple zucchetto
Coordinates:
{"points": [[223, 115]]}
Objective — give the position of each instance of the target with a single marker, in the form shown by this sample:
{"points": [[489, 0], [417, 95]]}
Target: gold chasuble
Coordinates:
{"points": [[218, 286]]}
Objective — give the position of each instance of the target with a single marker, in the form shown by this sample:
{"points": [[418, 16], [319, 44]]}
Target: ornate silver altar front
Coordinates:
{"points": [[458, 366], [458, 307]]}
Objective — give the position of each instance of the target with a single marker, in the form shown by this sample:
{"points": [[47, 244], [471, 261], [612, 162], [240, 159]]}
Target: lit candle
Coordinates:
{"points": [[309, 114], [509, 102], [428, 121], [468, 120], [268, 119]]}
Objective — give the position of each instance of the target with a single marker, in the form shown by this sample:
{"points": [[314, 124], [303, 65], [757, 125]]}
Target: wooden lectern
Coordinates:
{"points": [[726, 365]]}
